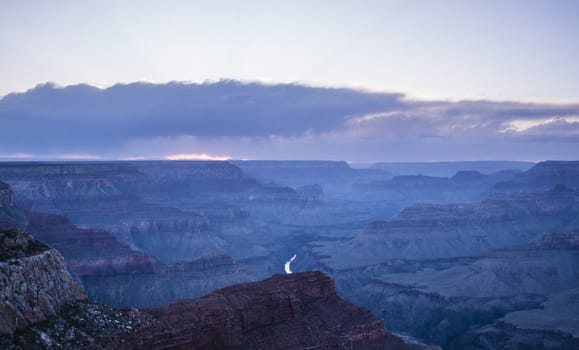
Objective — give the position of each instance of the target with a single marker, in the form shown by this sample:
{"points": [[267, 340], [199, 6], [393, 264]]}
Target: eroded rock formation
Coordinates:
{"points": [[297, 311], [43, 308], [34, 284]]}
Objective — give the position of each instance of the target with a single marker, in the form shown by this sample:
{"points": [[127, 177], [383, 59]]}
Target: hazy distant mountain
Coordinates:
{"points": [[447, 169]]}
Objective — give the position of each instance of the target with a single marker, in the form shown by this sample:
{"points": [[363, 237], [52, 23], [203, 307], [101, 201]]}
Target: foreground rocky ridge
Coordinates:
{"points": [[295, 311], [34, 284], [79, 325]]}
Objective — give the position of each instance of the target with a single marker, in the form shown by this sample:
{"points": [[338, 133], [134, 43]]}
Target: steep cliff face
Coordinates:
{"points": [[90, 252], [295, 311], [42, 307], [71, 188], [34, 282], [117, 275], [190, 185]]}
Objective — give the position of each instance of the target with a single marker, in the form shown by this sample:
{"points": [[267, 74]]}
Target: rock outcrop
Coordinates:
{"points": [[295, 311], [34, 284], [79, 325], [43, 308]]}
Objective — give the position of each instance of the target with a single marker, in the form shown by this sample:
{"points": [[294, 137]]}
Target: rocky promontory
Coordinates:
{"points": [[42, 307], [34, 284], [297, 311]]}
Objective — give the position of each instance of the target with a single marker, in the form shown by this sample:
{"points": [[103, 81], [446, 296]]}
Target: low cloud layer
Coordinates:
{"points": [[229, 119]]}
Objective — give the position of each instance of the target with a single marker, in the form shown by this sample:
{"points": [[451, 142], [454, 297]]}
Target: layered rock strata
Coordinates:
{"points": [[42, 308], [34, 284], [298, 311]]}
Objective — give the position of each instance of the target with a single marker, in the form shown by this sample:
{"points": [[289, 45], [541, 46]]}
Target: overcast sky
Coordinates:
{"points": [[230, 119], [450, 79], [491, 49]]}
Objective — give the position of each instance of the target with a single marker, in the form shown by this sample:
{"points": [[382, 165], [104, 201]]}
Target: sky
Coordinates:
{"points": [[453, 79]]}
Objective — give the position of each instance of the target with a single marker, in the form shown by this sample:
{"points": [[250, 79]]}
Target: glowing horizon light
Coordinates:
{"points": [[194, 156], [79, 157]]}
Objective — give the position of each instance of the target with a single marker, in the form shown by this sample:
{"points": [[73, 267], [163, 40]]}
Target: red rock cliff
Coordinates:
{"points": [[296, 311]]}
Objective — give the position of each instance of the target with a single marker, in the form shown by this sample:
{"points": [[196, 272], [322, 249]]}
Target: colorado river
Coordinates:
{"points": [[288, 263]]}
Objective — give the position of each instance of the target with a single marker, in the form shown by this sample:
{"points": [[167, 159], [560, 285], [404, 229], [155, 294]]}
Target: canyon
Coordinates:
{"points": [[283, 312], [481, 257]]}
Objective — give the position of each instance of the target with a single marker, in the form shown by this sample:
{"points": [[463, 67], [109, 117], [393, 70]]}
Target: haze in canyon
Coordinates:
{"points": [[289, 175]]}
